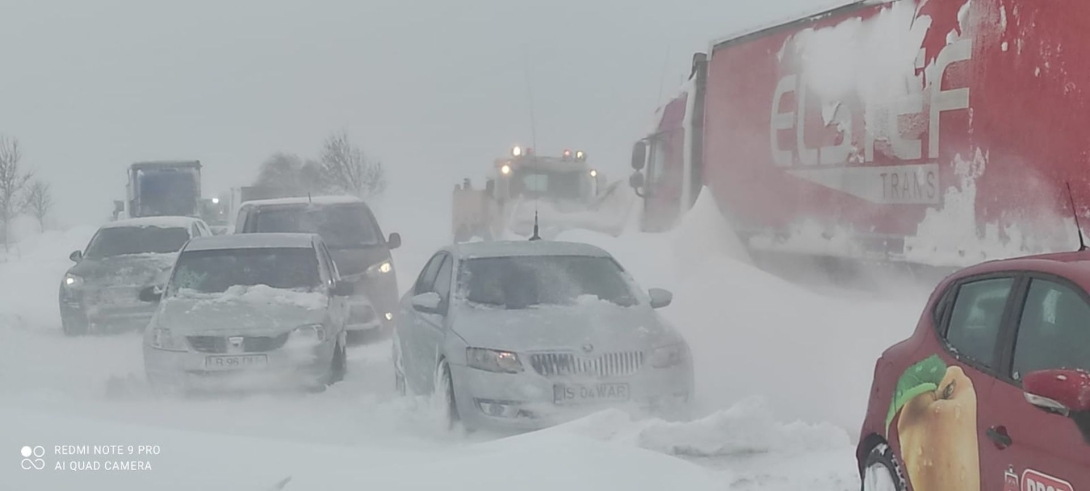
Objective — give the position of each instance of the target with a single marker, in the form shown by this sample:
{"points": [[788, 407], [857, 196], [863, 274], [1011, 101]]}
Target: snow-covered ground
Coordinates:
{"points": [[782, 378]]}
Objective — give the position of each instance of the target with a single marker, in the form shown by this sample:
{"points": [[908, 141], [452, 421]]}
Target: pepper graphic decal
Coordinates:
{"points": [[937, 427]]}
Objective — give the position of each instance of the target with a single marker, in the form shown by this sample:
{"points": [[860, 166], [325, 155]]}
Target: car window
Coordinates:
{"points": [[123, 241], [974, 323], [442, 281], [525, 282], [215, 271], [341, 227], [427, 276], [1054, 330]]}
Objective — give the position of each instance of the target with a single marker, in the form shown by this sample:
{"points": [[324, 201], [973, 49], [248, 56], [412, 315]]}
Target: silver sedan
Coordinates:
{"points": [[523, 335]]}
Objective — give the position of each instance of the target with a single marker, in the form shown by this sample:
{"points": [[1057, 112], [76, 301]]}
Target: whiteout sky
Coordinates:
{"points": [[433, 86]]}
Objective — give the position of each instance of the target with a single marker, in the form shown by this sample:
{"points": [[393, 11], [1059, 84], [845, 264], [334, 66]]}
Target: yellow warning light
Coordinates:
{"points": [[517, 151], [506, 169], [593, 173]]}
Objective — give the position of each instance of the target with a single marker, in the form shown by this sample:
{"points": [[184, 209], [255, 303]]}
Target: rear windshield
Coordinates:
{"points": [[123, 241], [342, 227], [217, 270], [524, 282]]}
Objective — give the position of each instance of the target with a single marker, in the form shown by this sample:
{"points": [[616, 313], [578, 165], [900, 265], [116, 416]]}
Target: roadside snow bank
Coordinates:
{"points": [[31, 272]]}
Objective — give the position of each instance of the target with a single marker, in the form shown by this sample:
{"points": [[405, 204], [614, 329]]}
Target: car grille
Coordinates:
{"points": [[250, 344], [617, 364]]}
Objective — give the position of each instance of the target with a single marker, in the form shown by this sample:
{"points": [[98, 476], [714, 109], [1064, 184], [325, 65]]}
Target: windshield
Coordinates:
{"points": [[341, 227], [122, 241], [217, 270], [523, 282], [558, 185]]}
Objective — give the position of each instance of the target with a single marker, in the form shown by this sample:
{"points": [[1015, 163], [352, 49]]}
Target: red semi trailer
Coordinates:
{"points": [[941, 132]]}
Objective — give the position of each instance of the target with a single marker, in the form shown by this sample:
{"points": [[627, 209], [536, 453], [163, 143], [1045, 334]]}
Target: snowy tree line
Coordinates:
{"points": [[340, 168], [20, 192]]}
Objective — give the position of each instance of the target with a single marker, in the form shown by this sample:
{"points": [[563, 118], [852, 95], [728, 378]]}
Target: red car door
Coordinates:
{"points": [[1028, 446], [944, 391]]}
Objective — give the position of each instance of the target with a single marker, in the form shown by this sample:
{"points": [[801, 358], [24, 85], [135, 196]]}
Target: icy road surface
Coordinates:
{"points": [[782, 379]]}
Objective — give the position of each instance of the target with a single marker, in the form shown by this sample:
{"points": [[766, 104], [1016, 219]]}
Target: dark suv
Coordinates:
{"points": [[360, 250]]}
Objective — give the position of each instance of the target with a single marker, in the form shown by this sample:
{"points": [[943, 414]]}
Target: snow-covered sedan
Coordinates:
{"points": [[248, 311], [100, 292], [522, 335]]}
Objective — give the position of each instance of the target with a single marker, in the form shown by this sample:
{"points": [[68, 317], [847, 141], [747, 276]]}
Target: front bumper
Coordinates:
{"points": [[527, 401], [286, 367], [374, 303], [100, 315]]}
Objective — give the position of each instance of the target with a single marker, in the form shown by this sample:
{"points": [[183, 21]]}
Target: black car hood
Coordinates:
{"points": [[357, 260], [130, 270]]}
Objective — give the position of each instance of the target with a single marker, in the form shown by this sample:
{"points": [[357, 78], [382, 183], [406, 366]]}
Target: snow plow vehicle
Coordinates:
{"points": [[934, 132], [162, 188], [565, 191]]}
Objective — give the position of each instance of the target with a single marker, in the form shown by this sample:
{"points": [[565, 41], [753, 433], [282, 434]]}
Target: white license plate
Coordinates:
{"points": [[590, 393], [237, 362]]}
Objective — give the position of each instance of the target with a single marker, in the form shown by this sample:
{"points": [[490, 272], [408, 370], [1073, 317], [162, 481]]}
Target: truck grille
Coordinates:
{"points": [[605, 365], [250, 344]]}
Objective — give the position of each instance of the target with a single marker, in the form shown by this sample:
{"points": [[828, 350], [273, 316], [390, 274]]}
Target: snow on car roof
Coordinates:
{"points": [[251, 241], [512, 248], [164, 222], [316, 200]]}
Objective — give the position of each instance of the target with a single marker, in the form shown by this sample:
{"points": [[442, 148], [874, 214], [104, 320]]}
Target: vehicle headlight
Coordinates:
{"points": [[73, 281], [380, 268], [164, 339], [669, 356], [313, 332], [493, 360]]}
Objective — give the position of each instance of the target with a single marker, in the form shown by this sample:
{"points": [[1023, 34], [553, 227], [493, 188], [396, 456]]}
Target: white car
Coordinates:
{"points": [[523, 335], [248, 311]]}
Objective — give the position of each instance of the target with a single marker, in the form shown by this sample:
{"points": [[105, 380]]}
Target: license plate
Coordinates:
{"points": [[235, 362], [590, 393]]}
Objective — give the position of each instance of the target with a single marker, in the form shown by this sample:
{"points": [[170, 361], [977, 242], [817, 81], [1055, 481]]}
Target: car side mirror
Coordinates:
{"points": [[1059, 391], [394, 241], [660, 298], [342, 289], [151, 294], [639, 155], [76, 256], [427, 302]]}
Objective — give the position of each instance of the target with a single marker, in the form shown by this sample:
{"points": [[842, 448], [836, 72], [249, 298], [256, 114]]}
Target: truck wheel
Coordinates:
{"points": [[881, 472]]}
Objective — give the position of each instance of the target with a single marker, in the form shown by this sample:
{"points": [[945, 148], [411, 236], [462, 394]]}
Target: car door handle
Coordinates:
{"points": [[999, 435]]}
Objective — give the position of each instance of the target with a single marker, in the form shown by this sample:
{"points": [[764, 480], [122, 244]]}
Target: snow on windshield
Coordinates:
{"points": [[123, 241], [216, 271], [524, 282], [257, 294]]}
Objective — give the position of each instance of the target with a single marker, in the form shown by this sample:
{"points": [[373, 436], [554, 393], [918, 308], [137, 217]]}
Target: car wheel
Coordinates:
{"points": [[340, 364], [881, 472], [72, 326], [444, 394]]}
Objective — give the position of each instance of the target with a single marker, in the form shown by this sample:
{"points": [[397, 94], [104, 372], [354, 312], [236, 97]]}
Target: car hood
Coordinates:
{"points": [[241, 310], [356, 260], [129, 270], [605, 326]]}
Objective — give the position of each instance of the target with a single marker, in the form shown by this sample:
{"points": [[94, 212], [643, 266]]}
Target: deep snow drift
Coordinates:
{"points": [[782, 377]]}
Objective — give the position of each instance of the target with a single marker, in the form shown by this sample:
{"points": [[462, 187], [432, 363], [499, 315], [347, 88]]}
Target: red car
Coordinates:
{"points": [[991, 392]]}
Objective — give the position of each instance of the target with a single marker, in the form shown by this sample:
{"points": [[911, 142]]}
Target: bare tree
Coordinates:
{"points": [[346, 168], [281, 172], [39, 201], [13, 185]]}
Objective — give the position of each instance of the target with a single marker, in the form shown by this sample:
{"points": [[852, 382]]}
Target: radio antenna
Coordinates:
{"points": [[535, 236], [1075, 213]]}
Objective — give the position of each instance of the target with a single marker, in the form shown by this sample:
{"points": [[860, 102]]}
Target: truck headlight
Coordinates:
{"points": [[164, 339], [669, 356], [493, 360], [73, 281]]}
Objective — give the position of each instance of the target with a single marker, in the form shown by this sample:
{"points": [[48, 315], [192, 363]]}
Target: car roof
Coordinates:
{"points": [[523, 248], [253, 241], [305, 201], [165, 222], [1072, 265]]}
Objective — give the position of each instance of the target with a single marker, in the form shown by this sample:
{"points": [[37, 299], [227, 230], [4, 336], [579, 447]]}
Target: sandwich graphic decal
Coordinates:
{"points": [[937, 427]]}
